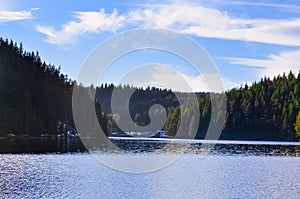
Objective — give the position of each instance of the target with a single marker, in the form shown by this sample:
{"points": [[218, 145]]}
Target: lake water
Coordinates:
{"points": [[230, 171]]}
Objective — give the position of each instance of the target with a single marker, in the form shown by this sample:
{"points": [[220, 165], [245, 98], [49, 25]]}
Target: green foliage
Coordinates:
{"points": [[264, 111], [297, 124], [35, 97]]}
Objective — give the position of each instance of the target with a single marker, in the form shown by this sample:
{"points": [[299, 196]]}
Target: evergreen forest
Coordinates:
{"points": [[36, 99]]}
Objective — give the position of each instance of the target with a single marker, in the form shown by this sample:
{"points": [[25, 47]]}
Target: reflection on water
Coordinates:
{"points": [[200, 147], [40, 144], [137, 145], [230, 171]]}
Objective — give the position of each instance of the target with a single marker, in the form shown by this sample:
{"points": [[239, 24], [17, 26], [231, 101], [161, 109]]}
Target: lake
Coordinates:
{"points": [[231, 170]]}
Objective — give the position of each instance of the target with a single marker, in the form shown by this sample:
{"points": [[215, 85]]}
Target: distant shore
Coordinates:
{"points": [[64, 144], [42, 144]]}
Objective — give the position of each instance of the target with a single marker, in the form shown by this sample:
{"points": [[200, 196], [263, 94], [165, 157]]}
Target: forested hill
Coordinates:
{"points": [[267, 110], [35, 97]]}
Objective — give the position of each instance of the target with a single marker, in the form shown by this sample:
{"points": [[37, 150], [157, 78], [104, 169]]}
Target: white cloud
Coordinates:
{"points": [[8, 16], [186, 18], [87, 22], [273, 65], [212, 23], [290, 7], [164, 76], [34, 9], [200, 83]]}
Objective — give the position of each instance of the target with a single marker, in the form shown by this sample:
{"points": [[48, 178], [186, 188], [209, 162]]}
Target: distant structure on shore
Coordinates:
{"points": [[158, 134]]}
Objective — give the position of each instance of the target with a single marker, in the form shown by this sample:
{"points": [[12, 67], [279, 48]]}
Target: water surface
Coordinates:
{"points": [[248, 173]]}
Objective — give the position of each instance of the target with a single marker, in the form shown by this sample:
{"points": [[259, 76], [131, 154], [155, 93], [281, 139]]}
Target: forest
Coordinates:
{"points": [[36, 99]]}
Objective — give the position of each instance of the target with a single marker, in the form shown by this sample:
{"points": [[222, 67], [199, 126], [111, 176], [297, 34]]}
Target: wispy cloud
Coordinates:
{"points": [[8, 16], [188, 19], [34, 9], [263, 4], [165, 76], [272, 65], [212, 23], [86, 22]]}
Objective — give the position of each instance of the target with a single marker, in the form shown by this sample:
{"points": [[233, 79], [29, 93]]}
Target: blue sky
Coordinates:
{"points": [[246, 39]]}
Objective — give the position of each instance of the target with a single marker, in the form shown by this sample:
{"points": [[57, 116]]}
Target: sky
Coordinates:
{"points": [[246, 40]]}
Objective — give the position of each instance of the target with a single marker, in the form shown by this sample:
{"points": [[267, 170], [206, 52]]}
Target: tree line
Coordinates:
{"points": [[36, 98]]}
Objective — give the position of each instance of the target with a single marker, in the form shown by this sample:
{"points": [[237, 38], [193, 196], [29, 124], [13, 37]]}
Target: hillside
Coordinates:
{"points": [[35, 97]]}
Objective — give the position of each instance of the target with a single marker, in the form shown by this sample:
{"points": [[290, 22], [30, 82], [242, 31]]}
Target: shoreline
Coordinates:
{"points": [[54, 144]]}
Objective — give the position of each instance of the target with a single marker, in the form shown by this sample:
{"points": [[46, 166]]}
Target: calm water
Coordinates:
{"points": [[230, 171]]}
